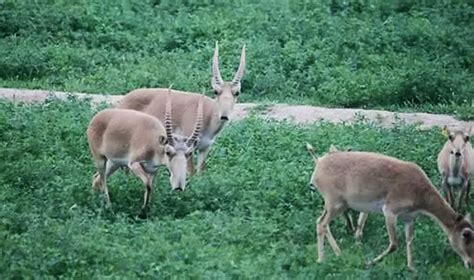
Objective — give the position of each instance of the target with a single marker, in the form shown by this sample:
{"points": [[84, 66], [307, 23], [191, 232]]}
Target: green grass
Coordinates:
{"points": [[402, 55], [250, 215]]}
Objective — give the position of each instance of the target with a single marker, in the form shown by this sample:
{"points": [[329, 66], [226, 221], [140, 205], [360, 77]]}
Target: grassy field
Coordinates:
{"points": [[400, 55], [250, 215]]}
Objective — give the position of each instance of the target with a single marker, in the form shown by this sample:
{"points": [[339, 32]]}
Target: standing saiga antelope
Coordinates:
{"points": [[140, 142], [456, 165], [216, 112], [371, 182]]}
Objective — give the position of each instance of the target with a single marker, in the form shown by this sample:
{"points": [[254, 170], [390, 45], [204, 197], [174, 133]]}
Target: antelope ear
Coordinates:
{"points": [[163, 140], [467, 217], [445, 131], [333, 148]]}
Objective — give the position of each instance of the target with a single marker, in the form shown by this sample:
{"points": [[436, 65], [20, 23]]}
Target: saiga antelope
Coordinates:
{"points": [[216, 112], [140, 142], [370, 182], [456, 165]]}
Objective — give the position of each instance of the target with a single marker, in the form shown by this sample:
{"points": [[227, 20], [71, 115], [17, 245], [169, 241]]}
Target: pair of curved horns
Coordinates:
{"points": [[169, 123], [216, 73]]}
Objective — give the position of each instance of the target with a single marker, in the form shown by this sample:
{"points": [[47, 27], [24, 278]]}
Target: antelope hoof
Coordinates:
{"points": [[143, 214], [411, 268], [369, 263]]}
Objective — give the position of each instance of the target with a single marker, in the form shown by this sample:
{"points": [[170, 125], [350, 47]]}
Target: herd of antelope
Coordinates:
{"points": [[153, 127]]}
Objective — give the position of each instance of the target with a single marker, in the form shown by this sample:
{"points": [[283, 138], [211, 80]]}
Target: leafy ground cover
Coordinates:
{"points": [[398, 55], [250, 215]]}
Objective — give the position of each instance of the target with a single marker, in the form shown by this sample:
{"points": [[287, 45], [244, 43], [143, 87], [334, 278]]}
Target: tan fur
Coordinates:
{"points": [[370, 182], [126, 138], [216, 111], [152, 101], [456, 171]]}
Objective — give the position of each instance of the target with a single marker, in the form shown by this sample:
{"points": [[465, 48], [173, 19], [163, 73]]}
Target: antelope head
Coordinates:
{"points": [[458, 141], [226, 92], [179, 148], [461, 239]]}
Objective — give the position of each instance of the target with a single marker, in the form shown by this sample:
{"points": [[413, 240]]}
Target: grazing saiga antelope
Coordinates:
{"points": [[370, 182], [456, 165], [216, 112], [139, 142]]}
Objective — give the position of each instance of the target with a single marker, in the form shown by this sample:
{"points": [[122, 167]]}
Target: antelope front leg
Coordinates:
{"points": [[409, 240], [360, 225], [202, 154], [390, 223], [350, 223], [147, 179], [468, 192], [448, 194], [463, 194]]}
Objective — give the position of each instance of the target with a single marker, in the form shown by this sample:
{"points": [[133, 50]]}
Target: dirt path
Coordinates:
{"points": [[302, 114]]}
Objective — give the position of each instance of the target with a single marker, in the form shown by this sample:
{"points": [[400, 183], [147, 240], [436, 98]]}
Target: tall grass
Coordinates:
{"points": [[250, 215]]}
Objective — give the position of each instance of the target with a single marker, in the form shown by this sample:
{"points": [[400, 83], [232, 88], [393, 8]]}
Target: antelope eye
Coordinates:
{"points": [[216, 92], [236, 93], [467, 138], [170, 154], [452, 152]]}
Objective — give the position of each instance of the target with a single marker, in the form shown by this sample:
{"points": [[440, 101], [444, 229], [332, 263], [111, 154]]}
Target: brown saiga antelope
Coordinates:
{"points": [[140, 142], [216, 112], [456, 165], [370, 182]]}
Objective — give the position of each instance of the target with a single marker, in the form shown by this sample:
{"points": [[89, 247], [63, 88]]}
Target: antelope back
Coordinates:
{"points": [[364, 176], [118, 132], [183, 108]]}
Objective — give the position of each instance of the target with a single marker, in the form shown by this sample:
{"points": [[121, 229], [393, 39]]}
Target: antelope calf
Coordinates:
{"points": [[370, 182], [456, 165], [138, 141], [216, 112]]}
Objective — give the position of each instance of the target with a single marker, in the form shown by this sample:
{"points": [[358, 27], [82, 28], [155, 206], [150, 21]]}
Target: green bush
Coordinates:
{"points": [[406, 55]]}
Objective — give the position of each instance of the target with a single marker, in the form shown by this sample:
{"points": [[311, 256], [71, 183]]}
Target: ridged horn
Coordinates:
{"points": [[197, 126], [168, 120], [216, 73], [240, 72]]}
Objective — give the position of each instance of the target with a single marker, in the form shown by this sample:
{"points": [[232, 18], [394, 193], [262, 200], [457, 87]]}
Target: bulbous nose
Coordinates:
{"points": [[457, 154], [224, 118]]}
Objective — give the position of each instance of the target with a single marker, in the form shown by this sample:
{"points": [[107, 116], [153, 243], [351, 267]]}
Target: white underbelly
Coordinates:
{"points": [[120, 161], [370, 206]]}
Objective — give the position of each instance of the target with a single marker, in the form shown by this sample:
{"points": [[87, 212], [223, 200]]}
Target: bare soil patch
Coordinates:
{"points": [[301, 114]]}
